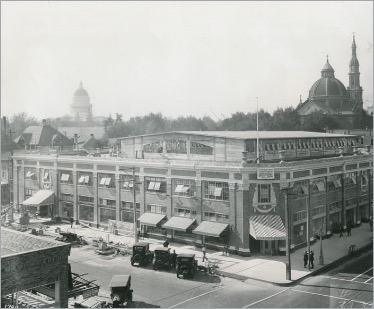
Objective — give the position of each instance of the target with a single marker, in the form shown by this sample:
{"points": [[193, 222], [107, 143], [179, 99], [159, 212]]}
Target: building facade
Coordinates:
{"points": [[206, 187]]}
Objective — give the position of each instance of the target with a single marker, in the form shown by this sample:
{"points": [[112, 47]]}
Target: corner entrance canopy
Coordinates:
{"points": [[151, 219], [267, 227], [178, 223], [42, 197], [209, 228]]}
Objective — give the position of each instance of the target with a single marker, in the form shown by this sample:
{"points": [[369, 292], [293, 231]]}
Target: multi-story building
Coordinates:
{"points": [[206, 187]]}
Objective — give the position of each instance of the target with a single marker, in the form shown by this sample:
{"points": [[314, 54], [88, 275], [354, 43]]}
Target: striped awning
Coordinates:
{"points": [[178, 223], [267, 227], [210, 228], [151, 219]]}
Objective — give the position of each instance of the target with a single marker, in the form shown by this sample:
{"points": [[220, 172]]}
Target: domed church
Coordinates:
{"points": [[81, 108], [329, 95]]}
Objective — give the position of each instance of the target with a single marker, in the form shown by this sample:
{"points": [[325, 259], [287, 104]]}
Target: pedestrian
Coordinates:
{"points": [[371, 224], [305, 258], [348, 230], [204, 252], [173, 259], [71, 222], [311, 259], [341, 230], [166, 244]]}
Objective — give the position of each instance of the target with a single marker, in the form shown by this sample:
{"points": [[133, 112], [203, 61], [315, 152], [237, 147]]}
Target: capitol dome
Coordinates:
{"points": [[81, 108]]}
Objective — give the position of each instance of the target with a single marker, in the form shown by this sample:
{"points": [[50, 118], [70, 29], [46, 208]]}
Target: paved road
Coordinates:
{"points": [[348, 286]]}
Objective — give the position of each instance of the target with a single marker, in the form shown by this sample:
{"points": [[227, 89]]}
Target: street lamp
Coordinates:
{"points": [[321, 262], [134, 199], [287, 191]]}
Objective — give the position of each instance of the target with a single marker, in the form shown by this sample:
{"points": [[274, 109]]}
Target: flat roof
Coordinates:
{"points": [[5, 252], [251, 134]]}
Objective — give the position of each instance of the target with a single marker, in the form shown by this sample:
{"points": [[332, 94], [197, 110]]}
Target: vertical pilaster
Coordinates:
{"points": [[118, 185], [199, 208], [344, 215], [96, 197], [327, 207], [75, 196]]}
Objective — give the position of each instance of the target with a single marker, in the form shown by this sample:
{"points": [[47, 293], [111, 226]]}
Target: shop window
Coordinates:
{"points": [[183, 212], [128, 216], [216, 190], [106, 214], [107, 202], [130, 205], [66, 177], [156, 209], [128, 182], [107, 181], [86, 212], [319, 210], [155, 147], [300, 215], [84, 179], [87, 200], [216, 217], [154, 184], [183, 187], [187, 234]]}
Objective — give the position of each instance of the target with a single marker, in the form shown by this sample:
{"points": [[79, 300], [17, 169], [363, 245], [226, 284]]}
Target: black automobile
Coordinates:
{"points": [[162, 258], [186, 265], [120, 291], [141, 255]]}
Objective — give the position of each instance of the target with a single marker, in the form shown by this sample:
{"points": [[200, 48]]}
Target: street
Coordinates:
{"points": [[349, 285]]}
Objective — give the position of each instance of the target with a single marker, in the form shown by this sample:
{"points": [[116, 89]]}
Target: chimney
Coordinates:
{"points": [[92, 135], [44, 122]]}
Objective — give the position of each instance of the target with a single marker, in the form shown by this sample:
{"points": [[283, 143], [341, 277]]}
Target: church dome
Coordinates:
{"points": [[329, 91]]}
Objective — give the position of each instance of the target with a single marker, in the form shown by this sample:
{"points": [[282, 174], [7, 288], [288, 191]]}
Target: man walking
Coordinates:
{"points": [[71, 222], [311, 259], [305, 259], [204, 253], [348, 230], [341, 230]]}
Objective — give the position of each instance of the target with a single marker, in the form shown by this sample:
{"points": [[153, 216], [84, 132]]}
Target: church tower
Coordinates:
{"points": [[354, 88]]}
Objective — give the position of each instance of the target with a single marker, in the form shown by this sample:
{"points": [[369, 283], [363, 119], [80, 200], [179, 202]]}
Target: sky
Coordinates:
{"points": [[179, 58]]}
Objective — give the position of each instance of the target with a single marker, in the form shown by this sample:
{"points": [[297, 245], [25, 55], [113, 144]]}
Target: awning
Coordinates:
{"points": [[150, 218], [178, 223], [42, 197], [268, 227], [210, 228]]}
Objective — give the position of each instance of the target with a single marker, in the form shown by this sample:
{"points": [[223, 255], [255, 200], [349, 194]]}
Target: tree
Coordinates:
{"points": [[287, 119], [317, 121], [108, 122], [19, 122]]}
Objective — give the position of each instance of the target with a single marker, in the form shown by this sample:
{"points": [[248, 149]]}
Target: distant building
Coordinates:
{"points": [[329, 95], [43, 137], [81, 108], [84, 133]]}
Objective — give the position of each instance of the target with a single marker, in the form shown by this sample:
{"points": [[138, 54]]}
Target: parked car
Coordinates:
{"points": [[186, 265], [162, 258], [141, 255], [120, 291]]}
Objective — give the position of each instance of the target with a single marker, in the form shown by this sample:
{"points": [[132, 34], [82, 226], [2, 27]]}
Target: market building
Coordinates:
{"points": [[206, 187]]}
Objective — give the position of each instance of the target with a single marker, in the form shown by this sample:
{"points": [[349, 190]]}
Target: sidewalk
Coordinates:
{"points": [[266, 268]]}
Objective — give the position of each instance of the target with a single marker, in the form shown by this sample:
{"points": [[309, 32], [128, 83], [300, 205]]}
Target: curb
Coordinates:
{"points": [[311, 274], [329, 266]]}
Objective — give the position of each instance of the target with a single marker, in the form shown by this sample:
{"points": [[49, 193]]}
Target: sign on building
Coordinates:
{"points": [[265, 173]]}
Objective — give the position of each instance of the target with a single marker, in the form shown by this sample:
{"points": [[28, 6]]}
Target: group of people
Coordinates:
{"points": [[349, 229], [309, 257]]}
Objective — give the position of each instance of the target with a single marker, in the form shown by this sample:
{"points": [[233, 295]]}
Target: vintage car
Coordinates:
{"points": [[120, 291], [186, 265], [141, 255], [120, 295], [162, 258]]}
